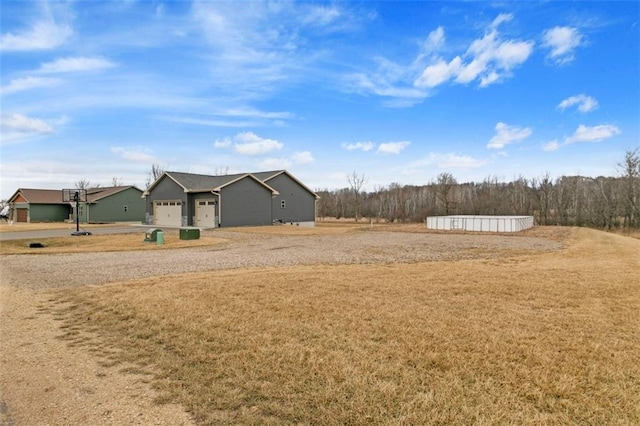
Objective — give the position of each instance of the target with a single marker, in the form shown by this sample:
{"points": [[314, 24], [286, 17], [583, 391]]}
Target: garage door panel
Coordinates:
{"points": [[205, 213], [168, 213]]}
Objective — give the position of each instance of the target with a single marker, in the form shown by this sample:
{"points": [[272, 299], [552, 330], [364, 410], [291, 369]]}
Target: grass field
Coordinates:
{"points": [[539, 339]]}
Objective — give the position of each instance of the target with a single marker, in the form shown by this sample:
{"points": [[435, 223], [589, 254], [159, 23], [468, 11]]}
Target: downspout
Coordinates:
{"points": [[219, 206]]}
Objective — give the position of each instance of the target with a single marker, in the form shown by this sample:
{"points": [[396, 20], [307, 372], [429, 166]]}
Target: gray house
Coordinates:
{"points": [[246, 199]]}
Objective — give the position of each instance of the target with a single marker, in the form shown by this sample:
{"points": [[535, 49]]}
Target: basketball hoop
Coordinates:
{"points": [[77, 196]]}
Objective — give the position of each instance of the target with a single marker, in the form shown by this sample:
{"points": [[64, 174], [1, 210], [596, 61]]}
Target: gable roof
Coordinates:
{"points": [[267, 176], [96, 194], [191, 182], [54, 196], [38, 196]]}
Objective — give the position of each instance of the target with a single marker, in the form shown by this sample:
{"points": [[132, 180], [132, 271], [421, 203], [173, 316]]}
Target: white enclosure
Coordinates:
{"points": [[480, 223]]}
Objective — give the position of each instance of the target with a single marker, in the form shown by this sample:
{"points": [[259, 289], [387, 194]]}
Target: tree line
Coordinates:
{"points": [[601, 202]]}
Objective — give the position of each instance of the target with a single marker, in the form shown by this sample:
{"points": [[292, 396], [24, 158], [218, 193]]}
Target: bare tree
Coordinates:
{"points": [[116, 181], [83, 184], [156, 171], [356, 182], [445, 182], [221, 171], [630, 168]]}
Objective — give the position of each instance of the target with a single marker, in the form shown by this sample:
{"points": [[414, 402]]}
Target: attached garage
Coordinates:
{"points": [[168, 213], [480, 223], [205, 213]]}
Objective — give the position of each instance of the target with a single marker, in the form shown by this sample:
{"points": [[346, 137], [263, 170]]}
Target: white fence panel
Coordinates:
{"points": [[480, 223]]}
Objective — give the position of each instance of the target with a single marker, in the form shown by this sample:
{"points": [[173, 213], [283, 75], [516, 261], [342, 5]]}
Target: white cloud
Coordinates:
{"points": [[438, 73], [259, 46], [359, 146], [445, 161], [488, 59], [321, 15], [593, 134], [14, 127], [249, 143], [43, 35], [303, 157], [75, 64], [562, 41], [506, 134], [135, 154], [275, 163], [392, 147], [222, 143], [28, 83], [585, 103], [435, 40], [550, 146]]}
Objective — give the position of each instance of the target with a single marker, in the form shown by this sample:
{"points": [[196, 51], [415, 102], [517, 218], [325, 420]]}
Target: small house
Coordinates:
{"points": [[179, 199]]}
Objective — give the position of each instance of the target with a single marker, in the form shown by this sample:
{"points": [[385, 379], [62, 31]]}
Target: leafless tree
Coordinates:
{"points": [[221, 171], [444, 185], [356, 182], [156, 171], [630, 168], [116, 181], [83, 184]]}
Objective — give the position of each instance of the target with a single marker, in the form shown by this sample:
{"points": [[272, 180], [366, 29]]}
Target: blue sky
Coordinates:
{"points": [[395, 91]]}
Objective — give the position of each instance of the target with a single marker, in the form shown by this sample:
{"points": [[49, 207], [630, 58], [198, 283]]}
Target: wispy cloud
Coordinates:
{"points": [[28, 83], [550, 146], [303, 157], [42, 35], [16, 127], [444, 161], [139, 155], [593, 134], [488, 59], [248, 143], [212, 122], [359, 146], [392, 147], [506, 134], [75, 64], [260, 46], [585, 103], [562, 43]]}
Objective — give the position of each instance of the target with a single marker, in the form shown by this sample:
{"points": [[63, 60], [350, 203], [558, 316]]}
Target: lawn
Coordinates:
{"points": [[531, 339]]}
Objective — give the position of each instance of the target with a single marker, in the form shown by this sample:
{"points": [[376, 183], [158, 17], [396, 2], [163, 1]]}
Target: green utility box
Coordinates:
{"points": [[189, 233], [152, 235]]}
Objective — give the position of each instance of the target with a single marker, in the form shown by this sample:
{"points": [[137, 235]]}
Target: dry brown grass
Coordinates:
{"points": [[538, 339], [102, 243], [38, 226]]}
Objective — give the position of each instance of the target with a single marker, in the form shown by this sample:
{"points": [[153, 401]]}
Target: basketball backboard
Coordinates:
{"points": [[74, 195]]}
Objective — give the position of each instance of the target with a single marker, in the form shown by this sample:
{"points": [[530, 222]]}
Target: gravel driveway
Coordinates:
{"points": [[255, 250]]}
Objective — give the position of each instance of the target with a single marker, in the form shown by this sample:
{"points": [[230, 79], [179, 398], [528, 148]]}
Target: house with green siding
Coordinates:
{"points": [[103, 205]]}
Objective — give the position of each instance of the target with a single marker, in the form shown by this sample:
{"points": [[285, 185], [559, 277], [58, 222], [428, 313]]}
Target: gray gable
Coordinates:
{"points": [[194, 182]]}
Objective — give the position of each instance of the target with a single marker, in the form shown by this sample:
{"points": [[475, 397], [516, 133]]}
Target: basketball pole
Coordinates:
{"points": [[76, 197]]}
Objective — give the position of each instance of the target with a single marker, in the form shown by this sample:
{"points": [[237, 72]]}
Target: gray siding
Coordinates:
{"points": [[112, 208], [166, 189], [300, 204], [245, 203]]}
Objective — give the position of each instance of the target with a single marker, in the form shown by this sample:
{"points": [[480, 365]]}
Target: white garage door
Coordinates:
{"points": [[206, 213], [168, 213]]}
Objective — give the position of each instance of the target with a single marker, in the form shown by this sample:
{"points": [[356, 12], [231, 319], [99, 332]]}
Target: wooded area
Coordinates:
{"points": [[602, 202]]}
